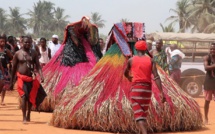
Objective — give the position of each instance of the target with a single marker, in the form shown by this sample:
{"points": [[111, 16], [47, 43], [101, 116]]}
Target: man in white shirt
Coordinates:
{"points": [[54, 45]]}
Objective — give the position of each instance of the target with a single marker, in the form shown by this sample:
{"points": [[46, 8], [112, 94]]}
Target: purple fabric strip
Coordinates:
{"points": [[121, 37], [121, 27], [121, 41]]}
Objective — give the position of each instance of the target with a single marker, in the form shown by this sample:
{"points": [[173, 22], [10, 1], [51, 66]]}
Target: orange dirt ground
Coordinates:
{"points": [[11, 120]]}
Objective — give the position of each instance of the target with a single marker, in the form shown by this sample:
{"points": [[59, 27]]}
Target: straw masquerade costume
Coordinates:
{"points": [[77, 55], [102, 102]]}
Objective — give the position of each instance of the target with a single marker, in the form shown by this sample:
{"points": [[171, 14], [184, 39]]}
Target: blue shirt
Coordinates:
{"points": [[175, 62]]}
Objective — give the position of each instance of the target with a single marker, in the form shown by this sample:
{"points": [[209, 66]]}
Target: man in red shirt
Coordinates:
{"points": [[141, 67]]}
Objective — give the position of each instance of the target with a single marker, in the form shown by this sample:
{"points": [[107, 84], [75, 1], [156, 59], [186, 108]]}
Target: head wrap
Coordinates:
{"points": [[140, 45], [55, 36]]}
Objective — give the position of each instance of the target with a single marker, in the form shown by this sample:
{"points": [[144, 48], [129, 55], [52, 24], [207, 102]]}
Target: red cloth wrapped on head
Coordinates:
{"points": [[141, 45]]}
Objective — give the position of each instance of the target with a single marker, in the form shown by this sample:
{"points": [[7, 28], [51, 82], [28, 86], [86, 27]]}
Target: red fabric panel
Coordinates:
{"points": [[33, 94]]}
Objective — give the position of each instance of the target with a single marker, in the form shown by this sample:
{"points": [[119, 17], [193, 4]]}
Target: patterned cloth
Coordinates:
{"points": [[161, 59], [121, 37], [140, 98], [74, 51], [31, 89]]}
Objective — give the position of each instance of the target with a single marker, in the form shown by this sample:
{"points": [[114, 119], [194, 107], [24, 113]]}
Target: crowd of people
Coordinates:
{"points": [[19, 59], [9, 48], [170, 59]]}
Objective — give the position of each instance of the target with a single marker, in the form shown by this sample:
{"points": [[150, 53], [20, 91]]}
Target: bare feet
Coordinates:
{"points": [[24, 121], [3, 104], [28, 119], [206, 121]]}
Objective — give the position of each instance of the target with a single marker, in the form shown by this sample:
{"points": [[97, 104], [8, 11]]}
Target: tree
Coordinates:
{"points": [[16, 21], [124, 20], [96, 18], [41, 17], [202, 14], [48, 15], [203, 6], [168, 28], [3, 21], [59, 21], [182, 12], [36, 19], [211, 27]]}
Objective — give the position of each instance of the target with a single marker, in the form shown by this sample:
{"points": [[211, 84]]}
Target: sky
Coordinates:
{"points": [[150, 12]]}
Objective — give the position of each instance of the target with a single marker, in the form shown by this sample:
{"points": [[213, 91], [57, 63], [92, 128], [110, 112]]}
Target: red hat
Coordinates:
{"points": [[141, 45]]}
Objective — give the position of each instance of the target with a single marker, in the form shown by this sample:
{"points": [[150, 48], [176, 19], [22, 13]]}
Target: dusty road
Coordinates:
{"points": [[11, 120]]}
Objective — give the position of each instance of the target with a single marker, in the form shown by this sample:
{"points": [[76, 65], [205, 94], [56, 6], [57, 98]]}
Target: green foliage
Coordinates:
{"points": [[4, 27], [40, 16], [182, 15], [195, 15], [168, 28], [43, 20], [17, 24], [59, 22], [96, 19]]}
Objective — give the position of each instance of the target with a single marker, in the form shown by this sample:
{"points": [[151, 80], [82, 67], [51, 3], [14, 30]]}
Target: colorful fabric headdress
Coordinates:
{"points": [[141, 45], [122, 33]]}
